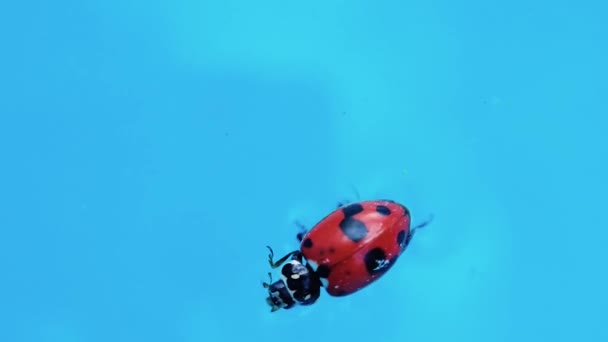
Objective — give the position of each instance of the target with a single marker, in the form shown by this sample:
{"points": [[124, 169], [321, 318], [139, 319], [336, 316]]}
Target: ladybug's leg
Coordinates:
{"points": [[267, 284], [275, 264], [423, 223], [345, 202], [415, 228], [302, 231], [340, 204]]}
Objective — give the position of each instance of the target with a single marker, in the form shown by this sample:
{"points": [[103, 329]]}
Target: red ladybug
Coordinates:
{"points": [[347, 250]]}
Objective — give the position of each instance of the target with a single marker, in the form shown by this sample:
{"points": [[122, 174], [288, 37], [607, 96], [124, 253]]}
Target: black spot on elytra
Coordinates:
{"points": [[408, 238], [323, 271], [341, 293], [332, 250], [352, 209], [401, 238], [383, 210], [307, 243], [353, 229], [322, 252], [375, 261], [348, 273]]}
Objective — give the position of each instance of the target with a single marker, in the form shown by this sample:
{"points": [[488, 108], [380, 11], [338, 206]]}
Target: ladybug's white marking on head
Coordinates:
{"points": [[307, 297], [295, 276]]}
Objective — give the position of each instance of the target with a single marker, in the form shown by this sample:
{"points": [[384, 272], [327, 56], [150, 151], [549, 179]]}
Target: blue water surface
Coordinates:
{"points": [[150, 150]]}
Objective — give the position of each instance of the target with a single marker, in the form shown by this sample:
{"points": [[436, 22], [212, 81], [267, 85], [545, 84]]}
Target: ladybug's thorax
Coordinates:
{"points": [[299, 284]]}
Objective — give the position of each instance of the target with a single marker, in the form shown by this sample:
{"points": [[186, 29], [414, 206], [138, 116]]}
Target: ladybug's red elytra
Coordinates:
{"points": [[347, 250]]}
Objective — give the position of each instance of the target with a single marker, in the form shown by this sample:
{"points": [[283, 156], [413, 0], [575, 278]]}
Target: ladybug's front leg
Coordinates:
{"points": [[274, 264]]}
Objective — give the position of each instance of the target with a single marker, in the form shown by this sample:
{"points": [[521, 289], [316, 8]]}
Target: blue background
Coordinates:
{"points": [[150, 150]]}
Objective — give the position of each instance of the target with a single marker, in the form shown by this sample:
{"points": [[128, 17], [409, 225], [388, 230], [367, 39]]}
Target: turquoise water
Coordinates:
{"points": [[151, 150]]}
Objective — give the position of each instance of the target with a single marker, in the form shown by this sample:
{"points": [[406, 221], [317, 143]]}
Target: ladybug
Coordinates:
{"points": [[346, 251]]}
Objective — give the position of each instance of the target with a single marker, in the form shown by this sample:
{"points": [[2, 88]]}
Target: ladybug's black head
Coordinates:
{"points": [[299, 284]]}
